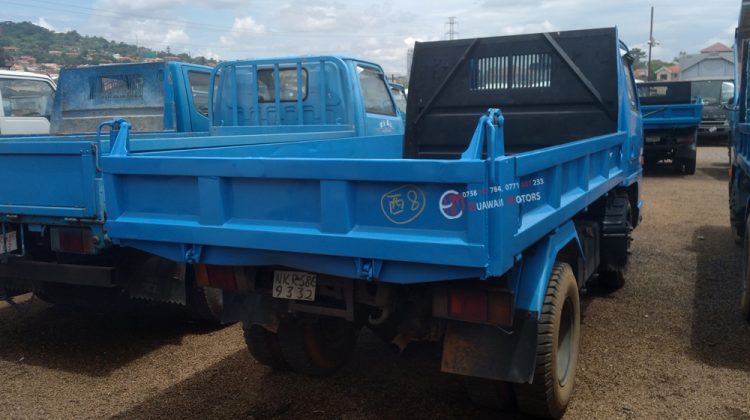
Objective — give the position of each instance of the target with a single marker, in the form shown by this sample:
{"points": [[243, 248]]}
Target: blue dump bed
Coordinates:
{"points": [[672, 116], [357, 208], [371, 214], [667, 105]]}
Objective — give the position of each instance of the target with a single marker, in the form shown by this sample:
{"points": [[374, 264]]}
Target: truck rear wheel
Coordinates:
{"points": [[317, 347], [745, 302], [264, 346], [556, 350]]}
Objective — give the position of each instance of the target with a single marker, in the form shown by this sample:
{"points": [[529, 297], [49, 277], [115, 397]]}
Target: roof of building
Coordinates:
{"points": [[717, 47], [687, 61]]}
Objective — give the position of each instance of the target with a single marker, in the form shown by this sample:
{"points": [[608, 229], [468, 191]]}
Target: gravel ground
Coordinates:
{"points": [[669, 345]]}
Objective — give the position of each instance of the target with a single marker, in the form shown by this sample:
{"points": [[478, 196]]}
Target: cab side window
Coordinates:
{"points": [[631, 90], [375, 92]]}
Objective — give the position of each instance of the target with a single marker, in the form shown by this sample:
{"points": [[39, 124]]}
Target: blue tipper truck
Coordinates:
{"points": [[516, 182], [739, 153], [52, 203], [671, 116]]}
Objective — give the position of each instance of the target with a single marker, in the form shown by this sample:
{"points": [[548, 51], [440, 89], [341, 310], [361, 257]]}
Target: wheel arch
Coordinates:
{"points": [[533, 273]]}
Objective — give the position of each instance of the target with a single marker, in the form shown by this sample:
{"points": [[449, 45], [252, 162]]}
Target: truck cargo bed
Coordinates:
{"points": [[363, 216]]}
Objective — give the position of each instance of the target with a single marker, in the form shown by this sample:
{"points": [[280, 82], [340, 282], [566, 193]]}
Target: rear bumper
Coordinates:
{"points": [[30, 275]]}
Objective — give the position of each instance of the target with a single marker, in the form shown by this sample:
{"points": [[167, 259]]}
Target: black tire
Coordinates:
{"points": [[264, 346], [736, 219], [317, 347], [206, 304], [558, 339], [612, 280], [690, 166], [745, 301]]}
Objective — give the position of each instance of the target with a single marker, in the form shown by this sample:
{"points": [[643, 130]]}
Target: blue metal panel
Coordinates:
{"points": [[672, 116], [530, 278], [474, 215]]}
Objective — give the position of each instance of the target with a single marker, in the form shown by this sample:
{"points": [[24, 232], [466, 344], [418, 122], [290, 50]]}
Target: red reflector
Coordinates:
{"points": [[469, 305], [221, 277], [79, 241]]}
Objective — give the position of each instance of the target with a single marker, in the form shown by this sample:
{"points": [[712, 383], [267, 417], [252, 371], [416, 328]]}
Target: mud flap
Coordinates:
{"points": [[157, 279], [486, 351]]}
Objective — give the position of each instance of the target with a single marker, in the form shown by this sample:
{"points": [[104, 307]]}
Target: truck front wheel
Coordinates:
{"points": [[264, 347], [557, 346], [317, 347]]}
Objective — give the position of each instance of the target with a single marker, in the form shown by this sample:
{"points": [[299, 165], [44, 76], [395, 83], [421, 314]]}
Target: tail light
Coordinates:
{"points": [[72, 240], [217, 276], [481, 306]]}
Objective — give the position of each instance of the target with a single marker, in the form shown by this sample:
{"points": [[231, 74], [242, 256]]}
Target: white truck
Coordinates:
{"points": [[27, 102]]}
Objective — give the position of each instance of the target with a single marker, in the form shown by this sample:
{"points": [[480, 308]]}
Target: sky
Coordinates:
{"points": [[381, 31]]}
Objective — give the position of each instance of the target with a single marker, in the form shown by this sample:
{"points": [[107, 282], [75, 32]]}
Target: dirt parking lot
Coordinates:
{"points": [[669, 345]]}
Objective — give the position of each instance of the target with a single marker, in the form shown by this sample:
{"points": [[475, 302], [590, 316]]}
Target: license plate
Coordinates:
{"points": [[294, 285], [8, 240], [652, 139]]}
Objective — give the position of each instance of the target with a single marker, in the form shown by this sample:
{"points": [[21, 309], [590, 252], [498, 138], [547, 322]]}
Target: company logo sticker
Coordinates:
{"points": [[452, 204], [403, 204]]}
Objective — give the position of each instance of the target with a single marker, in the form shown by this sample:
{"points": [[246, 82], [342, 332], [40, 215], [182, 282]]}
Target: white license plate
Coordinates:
{"points": [[295, 285], [8, 240], [652, 139]]}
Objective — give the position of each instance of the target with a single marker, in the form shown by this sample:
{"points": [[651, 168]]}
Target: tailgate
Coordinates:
{"points": [[49, 178], [322, 214], [671, 116]]}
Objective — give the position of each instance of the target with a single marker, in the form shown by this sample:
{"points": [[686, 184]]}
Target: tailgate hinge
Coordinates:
{"points": [[368, 268], [192, 253]]}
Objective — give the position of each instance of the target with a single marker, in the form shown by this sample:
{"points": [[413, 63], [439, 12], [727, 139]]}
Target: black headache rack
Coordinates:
{"points": [[552, 88], [665, 93]]}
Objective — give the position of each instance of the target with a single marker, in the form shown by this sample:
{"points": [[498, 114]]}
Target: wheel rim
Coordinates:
{"points": [[565, 342]]}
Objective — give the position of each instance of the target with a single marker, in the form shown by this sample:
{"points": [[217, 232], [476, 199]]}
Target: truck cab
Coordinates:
{"points": [[26, 103], [162, 96], [716, 96]]}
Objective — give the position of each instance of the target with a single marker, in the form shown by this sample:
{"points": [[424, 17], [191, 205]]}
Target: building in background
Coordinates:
{"points": [[714, 62], [668, 73]]}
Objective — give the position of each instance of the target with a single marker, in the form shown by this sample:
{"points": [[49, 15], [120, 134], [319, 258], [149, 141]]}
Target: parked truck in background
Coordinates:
{"points": [[739, 154], [514, 187], [52, 212], [26, 102], [671, 116], [716, 95]]}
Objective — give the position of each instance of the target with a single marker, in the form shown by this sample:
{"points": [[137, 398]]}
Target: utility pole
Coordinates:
{"points": [[650, 45], [452, 31]]}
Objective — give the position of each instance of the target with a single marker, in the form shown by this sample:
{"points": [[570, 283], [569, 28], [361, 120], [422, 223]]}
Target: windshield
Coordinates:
{"points": [[26, 98], [713, 92], [400, 97]]}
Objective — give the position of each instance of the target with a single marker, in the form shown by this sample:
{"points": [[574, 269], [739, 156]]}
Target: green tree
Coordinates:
{"points": [[639, 57]]}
